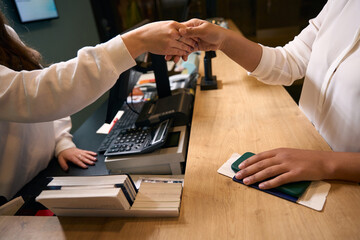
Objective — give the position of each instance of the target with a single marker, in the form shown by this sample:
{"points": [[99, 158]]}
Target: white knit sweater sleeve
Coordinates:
{"points": [[63, 88]]}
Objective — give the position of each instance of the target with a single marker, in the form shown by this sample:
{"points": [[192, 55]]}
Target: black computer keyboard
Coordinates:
{"points": [[127, 121], [139, 139]]}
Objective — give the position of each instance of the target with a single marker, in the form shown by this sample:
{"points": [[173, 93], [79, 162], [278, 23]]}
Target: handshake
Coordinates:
{"points": [[175, 40]]}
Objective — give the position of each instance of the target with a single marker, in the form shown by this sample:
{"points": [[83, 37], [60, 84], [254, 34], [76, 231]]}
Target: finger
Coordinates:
{"points": [[264, 174], [78, 161], [88, 159], [182, 46], [188, 41], [85, 159], [177, 52], [278, 181], [191, 32], [176, 59], [90, 152], [193, 22], [255, 168], [168, 57], [89, 156], [185, 58], [256, 158], [63, 164]]}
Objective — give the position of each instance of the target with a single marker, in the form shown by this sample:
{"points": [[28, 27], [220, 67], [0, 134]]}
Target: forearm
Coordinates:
{"points": [[62, 88], [241, 50], [343, 166]]}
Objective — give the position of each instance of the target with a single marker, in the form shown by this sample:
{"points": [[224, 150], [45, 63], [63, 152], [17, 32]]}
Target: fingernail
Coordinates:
{"points": [[246, 180], [261, 185], [241, 165], [238, 175]]}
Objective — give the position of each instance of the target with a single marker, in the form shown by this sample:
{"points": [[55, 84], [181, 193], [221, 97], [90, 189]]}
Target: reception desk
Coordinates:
{"points": [[242, 115]]}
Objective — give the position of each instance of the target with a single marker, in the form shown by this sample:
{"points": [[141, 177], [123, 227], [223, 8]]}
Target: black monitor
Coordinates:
{"points": [[120, 91], [124, 85], [36, 10]]}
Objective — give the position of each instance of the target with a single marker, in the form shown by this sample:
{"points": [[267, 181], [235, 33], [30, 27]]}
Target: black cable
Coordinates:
{"points": [[132, 103]]}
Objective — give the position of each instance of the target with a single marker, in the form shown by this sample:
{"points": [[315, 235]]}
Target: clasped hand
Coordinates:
{"points": [[201, 36]]}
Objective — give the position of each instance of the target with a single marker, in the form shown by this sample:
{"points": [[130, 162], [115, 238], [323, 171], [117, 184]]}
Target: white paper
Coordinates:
{"points": [[106, 127], [315, 195], [225, 169]]}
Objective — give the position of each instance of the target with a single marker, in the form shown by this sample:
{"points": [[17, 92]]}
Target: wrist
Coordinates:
{"points": [[343, 166], [135, 42], [328, 165], [224, 40]]}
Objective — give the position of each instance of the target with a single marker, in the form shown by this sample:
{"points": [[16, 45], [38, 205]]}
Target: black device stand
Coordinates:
{"points": [[161, 75], [208, 82], [176, 105]]}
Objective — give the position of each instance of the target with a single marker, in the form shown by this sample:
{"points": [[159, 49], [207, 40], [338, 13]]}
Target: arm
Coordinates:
{"points": [[291, 165], [65, 149], [211, 37], [281, 65], [64, 88]]}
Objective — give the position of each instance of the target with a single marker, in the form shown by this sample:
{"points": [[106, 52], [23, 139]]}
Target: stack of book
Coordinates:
{"points": [[158, 197], [110, 196], [89, 192]]}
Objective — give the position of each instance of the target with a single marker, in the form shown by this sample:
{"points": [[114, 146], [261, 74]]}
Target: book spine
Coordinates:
{"points": [[132, 182], [126, 193]]}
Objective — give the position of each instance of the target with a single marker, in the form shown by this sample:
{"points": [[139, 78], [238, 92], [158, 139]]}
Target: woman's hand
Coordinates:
{"points": [[285, 165], [77, 156], [211, 37], [208, 36], [161, 38]]}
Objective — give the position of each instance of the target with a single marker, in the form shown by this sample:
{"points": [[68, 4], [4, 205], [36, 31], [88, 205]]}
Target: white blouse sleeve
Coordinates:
{"points": [[63, 88], [284, 65]]}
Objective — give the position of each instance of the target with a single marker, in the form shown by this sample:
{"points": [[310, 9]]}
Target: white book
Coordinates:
{"points": [[156, 204], [87, 180], [107, 198], [92, 182], [85, 196], [141, 212]]}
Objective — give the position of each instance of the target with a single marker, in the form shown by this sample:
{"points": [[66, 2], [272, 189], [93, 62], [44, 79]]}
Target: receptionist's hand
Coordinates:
{"points": [[77, 156], [208, 36]]}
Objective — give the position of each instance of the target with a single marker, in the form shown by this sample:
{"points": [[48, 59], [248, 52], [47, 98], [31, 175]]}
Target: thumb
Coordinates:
{"points": [[189, 32]]}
